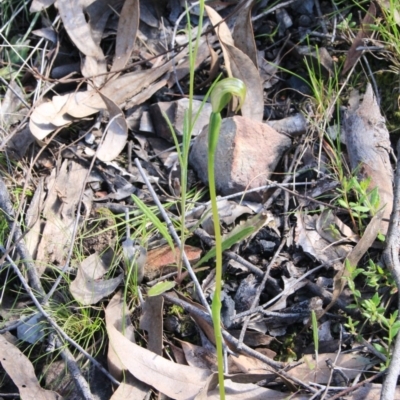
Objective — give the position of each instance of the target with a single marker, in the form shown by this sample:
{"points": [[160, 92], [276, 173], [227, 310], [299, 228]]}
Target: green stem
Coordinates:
{"points": [[214, 127]]}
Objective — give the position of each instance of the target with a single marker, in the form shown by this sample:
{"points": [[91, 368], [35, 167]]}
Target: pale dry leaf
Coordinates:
{"points": [[117, 133], [250, 365], [369, 391], [130, 389], [119, 317], [126, 34], [320, 372], [176, 381], [21, 372], [244, 69], [224, 35], [243, 387], [88, 287], [353, 54]]}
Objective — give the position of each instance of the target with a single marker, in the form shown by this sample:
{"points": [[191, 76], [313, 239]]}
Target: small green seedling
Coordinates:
{"points": [[221, 95]]}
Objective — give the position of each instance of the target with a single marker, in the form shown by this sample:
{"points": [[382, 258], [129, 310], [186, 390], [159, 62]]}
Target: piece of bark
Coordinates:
{"points": [[368, 147], [293, 126]]}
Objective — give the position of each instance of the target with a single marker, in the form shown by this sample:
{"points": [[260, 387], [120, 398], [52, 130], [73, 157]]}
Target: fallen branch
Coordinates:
{"points": [[390, 257]]}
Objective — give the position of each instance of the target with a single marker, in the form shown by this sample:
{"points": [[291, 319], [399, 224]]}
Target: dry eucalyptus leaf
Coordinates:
{"points": [[314, 244], [176, 381], [130, 389], [40, 5], [88, 287], [73, 17], [159, 258], [21, 372], [118, 316], [243, 34], [126, 34], [319, 372]]}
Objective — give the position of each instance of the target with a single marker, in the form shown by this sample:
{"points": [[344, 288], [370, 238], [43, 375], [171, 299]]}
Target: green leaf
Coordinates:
{"points": [[238, 233], [226, 244], [343, 203], [161, 287], [154, 219], [361, 209]]}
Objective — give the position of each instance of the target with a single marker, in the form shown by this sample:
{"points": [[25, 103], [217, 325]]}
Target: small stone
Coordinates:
{"points": [[246, 156]]}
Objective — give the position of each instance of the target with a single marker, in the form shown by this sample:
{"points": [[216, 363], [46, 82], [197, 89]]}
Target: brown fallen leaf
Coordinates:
{"points": [[21, 372], [174, 380], [243, 34], [163, 256], [197, 356], [130, 388], [84, 103]]}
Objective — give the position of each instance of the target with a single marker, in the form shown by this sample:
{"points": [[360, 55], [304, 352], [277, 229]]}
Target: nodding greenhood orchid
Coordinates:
{"points": [[223, 92]]}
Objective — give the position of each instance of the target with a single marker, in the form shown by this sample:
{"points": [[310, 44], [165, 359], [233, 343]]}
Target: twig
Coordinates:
{"points": [[391, 259], [75, 372], [172, 230], [272, 9]]}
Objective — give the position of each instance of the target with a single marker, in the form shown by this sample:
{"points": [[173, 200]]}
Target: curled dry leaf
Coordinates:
{"points": [[88, 287], [239, 65], [179, 382], [117, 133], [21, 372], [85, 103]]}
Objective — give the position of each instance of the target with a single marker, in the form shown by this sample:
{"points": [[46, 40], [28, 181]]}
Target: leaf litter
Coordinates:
{"points": [[75, 150]]}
